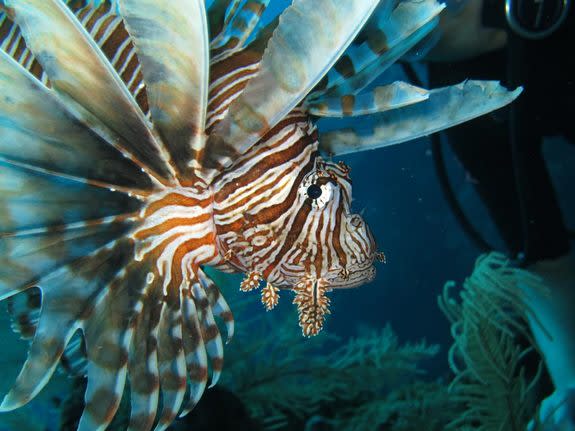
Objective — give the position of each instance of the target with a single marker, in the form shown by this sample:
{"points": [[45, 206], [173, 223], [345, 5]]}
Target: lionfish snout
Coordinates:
{"points": [[357, 254]]}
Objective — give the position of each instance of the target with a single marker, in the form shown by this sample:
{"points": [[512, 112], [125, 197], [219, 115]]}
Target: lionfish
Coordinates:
{"points": [[142, 141]]}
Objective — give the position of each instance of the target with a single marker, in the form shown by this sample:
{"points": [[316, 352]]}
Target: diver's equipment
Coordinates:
{"points": [[536, 19], [519, 260], [443, 178]]}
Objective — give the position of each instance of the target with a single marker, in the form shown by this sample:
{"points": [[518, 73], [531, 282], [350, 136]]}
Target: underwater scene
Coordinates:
{"points": [[288, 215]]}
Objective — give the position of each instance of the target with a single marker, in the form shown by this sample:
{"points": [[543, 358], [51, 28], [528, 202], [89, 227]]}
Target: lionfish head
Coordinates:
{"points": [[332, 247], [314, 244], [339, 248]]}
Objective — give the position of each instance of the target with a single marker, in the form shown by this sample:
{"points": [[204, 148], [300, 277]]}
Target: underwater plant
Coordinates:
{"points": [[356, 385], [488, 322], [142, 141]]}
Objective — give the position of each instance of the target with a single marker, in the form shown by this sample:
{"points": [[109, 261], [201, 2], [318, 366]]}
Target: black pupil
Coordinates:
{"points": [[314, 191]]}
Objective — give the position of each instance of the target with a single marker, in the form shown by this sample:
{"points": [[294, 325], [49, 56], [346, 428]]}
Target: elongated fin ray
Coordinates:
{"points": [[32, 201], [171, 360], [220, 13], [445, 107], [210, 331], [108, 334], [382, 45], [241, 26], [380, 99], [309, 38], [25, 259], [68, 298], [86, 81], [220, 307], [194, 347], [171, 40], [36, 128], [143, 362]]}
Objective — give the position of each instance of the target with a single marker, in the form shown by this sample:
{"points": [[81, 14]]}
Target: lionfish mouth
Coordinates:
{"points": [[350, 279]]}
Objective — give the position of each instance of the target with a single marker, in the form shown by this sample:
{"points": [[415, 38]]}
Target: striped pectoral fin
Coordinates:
{"points": [[380, 99], [108, 332], [37, 129], [310, 37], [33, 200], [241, 25], [218, 303], [210, 331], [445, 107], [171, 358], [195, 349], [171, 40], [383, 42], [69, 296], [28, 256], [84, 79], [143, 363]]}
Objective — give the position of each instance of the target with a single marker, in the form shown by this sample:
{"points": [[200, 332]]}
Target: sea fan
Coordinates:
{"points": [[487, 356]]}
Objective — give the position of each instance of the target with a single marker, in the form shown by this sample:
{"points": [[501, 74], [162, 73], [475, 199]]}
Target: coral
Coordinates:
{"points": [[287, 381], [488, 358]]}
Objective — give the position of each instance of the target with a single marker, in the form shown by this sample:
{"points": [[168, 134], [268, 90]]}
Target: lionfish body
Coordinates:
{"points": [[144, 140]]}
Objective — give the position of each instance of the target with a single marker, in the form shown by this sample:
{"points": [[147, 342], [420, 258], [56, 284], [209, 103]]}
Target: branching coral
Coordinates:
{"points": [[487, 357]]}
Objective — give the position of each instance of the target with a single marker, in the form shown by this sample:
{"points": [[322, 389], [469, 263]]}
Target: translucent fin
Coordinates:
{"points": [[68, 297], [380, 99], [143, 363], [24, 311], [108, 333], [37, 129], [381, 45], [445, 107], [13, 44], [74, 361], [310, 37], [29, 256], [82, 76], [220, 13], [103, 23], [210, 331], [241, 25], [32, 200], [196, 357], [220, 307], [171, 360], [171, 40]]}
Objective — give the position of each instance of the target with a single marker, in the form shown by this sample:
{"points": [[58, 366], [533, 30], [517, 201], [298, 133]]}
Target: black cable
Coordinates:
{"points": [[443, 177], [451, 198], [445, 183]]}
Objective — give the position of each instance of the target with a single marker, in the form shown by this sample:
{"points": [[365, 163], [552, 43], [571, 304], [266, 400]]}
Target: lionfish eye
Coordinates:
{"points": [[314, 191]]}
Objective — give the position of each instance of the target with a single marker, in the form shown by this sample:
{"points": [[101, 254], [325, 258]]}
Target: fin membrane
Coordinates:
{"points": [[445, 107]]}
